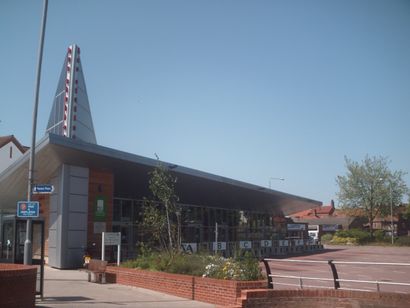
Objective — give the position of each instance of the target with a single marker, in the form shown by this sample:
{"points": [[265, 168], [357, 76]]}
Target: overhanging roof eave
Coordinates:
{"points": [[64, 150], [133, 158]]}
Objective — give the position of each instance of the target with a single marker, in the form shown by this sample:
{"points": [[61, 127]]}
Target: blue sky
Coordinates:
{"points": [[243, 89]]}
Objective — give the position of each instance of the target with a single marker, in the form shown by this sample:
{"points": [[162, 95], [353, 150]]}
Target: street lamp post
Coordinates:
{"points": [[271, 178], [391, 210], [391, 215], [28, 247]]}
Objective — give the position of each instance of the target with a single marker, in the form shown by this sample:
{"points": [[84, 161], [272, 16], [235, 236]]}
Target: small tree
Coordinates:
{"points": [[162, 186], [370, 188], [155, 223]]}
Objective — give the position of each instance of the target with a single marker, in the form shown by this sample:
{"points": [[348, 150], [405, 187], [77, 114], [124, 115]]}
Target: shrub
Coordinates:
{"points": [[344, 240], [360, 236], [152, 261], [214, 268], [243, 268], [403, 241], [326, 238], [379, 235], [250, 267], [187, 264], [129, 264]]}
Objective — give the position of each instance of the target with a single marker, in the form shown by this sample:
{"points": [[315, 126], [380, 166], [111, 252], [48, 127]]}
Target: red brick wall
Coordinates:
{"points": [[222, 292], [322, 298], [101, 183], [17, 285], [179, 285]]}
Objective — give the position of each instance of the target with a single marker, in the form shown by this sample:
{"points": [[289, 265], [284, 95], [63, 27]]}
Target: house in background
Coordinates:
{"points": [[326, 219], [10, 150], [401, 224]]}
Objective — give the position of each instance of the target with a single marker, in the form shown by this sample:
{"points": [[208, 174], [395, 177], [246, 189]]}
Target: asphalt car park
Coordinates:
{"points": [[392, 266]]}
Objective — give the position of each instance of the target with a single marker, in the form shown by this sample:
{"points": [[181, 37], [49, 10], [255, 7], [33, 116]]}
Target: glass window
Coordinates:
{"points": [[198, 214], [206, 217], [190, 215], [126, 210], [124, 235], [212, 217], [8, 241], [138, 211], [116, 210], [190, 234]]}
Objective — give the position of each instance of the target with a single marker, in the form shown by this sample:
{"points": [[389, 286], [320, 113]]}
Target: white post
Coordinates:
{"points": [[103, 247], [216, 237], [7, 250], [118, 254], [119, 251]]}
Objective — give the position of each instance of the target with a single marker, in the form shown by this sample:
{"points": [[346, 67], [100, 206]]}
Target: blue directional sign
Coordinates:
{"points": [[43, 189], [28, 209]]}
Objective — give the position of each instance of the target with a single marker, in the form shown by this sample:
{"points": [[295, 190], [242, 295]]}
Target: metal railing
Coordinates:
{"points": [[335, 279]]}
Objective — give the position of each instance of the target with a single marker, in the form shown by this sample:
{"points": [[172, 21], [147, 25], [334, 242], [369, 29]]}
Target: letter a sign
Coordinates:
{"points": [[189, 247]]}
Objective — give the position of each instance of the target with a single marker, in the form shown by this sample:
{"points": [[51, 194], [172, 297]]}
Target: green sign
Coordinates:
{"points": [[100, 208]]}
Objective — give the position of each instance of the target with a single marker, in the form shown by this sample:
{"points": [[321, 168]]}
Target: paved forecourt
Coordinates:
{"points": [[386, 273], [70, 288]]}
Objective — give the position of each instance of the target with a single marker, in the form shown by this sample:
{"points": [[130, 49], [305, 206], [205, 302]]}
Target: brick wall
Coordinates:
{"points": [[179, 285], [221, 292], [322, 298], [17, 285], [101, 183]]}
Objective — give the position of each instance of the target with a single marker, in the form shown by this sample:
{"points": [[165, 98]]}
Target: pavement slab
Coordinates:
{"points": [[70, 288]]}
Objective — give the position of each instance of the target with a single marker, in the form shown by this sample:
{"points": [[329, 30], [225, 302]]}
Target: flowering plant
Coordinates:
{"points": [[245, 268]]}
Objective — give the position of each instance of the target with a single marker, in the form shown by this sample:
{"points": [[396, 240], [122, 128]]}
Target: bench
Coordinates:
{"points": [[96, 271]]}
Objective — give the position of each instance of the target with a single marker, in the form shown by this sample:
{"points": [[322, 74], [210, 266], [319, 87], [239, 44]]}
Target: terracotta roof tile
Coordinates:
{"points": [[6, 139], [315, 212]]}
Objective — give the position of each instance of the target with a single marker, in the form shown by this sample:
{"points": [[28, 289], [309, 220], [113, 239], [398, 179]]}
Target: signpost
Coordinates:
{"points": [[266, 243], [245, 244], [189, 247], [28, 209], [219, 246], [43, 189], [283, 243], [330, 227], [296, 227], [111, 239]]}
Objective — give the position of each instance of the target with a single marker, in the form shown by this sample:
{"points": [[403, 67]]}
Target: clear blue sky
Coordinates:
{"points": [[243, 89]]}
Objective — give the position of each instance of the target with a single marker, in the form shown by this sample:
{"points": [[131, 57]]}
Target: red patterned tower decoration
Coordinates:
{"points": [[67, 91], [71, 113]]}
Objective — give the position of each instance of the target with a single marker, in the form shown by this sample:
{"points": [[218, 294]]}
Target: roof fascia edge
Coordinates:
{"points": [[134, 158]]}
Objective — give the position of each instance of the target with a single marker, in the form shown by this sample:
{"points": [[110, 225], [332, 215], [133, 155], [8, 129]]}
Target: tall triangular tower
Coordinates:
{"points": [[71, 114]]}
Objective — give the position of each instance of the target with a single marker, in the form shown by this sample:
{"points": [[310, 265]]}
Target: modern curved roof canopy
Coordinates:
{"points": [[131, 178], [70, 139]]}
